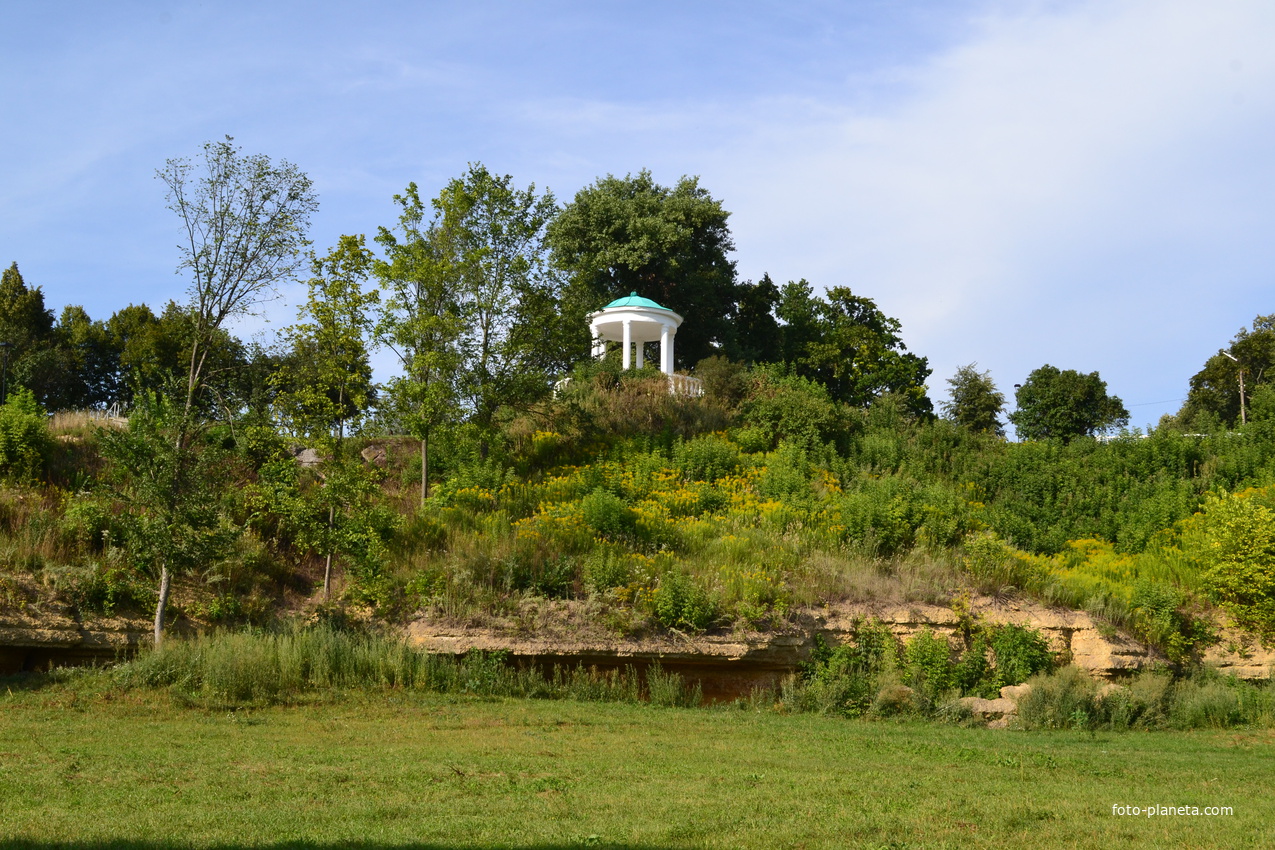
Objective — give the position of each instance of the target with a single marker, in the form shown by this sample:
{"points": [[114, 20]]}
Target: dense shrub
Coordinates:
{"points": [[1239, 558], [25, 442], [680, 602], [608, 515], [1019, 652], [868, 670], [706, 458]]}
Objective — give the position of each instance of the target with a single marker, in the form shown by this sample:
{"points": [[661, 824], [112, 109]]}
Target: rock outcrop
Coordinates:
{"points": [[1101, 651], [51, 634]]}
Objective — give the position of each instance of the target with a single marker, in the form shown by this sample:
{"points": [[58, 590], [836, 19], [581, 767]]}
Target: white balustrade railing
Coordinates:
{"points": [[683, 385]]}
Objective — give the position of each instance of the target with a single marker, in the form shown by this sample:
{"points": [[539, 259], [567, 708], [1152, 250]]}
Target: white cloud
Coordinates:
{"points": [[1061, 187]]}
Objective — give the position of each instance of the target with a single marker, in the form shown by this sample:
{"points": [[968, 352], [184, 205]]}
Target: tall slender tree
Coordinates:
{"points": [[324, 384], [243, 221], [420, 323]]}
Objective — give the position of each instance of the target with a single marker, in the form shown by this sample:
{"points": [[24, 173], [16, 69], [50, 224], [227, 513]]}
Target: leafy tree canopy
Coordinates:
{"points": [[631, 234], [847, 344], [1065, 404], [1214, 397], [975, 402]]}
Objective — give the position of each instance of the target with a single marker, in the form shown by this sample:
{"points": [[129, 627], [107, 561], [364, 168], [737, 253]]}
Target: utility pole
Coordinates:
{"points": [[1243, 413]]}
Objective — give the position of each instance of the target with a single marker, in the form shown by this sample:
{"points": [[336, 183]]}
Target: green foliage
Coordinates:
{"points": [[1019, 652], [621, 235], [670, 690], [975, 402], [680, 602], [788, 407], [25, 442], [844, 679], [108, 588], [994, 564], [851, 348], [1239, 558], [252, 668], [325, 382], [1161, 616], [166, 485], [1154, 699], [1214, 398], [244, 221], [1065, 700], [421, 323], [706, 458], [865, 674], [928, 665], [1064, 404], [491, 240], [608, 515]]}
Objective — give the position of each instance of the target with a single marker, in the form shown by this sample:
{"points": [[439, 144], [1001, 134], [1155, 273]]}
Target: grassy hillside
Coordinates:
{"points": [[729, 511]]}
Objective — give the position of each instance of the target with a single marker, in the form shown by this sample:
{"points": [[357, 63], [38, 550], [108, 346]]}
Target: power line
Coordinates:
{"points": [[1166, 401]]}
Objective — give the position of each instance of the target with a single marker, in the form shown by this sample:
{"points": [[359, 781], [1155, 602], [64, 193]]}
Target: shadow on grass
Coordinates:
{"points": [[122, 844]]}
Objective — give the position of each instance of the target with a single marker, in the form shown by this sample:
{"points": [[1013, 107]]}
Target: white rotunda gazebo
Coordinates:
{"points": [[634, 321]]}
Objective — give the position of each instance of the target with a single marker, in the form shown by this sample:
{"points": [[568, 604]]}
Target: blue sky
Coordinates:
{"points": [[1086, 184]]}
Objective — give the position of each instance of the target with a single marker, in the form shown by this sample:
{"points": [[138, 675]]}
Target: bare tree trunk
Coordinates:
{"points": [[162, 604], [424, 470], [327, 566]]}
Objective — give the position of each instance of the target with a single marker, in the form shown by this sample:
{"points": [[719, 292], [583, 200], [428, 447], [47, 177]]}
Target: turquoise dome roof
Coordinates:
{"points": [[634, 300]]}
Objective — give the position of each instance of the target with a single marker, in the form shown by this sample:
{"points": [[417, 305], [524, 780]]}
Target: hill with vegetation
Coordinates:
{"points": [[250, 484]]}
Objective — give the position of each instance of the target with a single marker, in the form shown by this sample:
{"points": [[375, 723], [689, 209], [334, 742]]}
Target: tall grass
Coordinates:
{"points": [[250, 667], [1070, 699]]}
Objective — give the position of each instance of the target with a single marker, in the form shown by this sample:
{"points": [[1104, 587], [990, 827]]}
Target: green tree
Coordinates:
{"points": [[1065, 404], [421, 324], [326, 383], [166, 488], [491, 238], [847, 344], [1214, 396], [244, 223], [758, 338], [1238, 557], [88, 363], [25, 443], [27, 326], [975, 402], [630, 234], [244, 220]]}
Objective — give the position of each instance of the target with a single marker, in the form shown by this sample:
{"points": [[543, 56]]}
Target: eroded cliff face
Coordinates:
{"points": [[1100, 650], [51, 634], [568, 633]]}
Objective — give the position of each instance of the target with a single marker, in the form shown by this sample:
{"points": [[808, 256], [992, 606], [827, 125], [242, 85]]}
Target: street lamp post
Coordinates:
{"points": [[1243, 414]]}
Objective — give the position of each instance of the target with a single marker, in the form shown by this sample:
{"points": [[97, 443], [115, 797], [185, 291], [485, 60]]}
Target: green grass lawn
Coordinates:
{"points": [[116, 768]]}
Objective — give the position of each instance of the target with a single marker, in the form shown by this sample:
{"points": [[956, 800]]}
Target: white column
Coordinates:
{"points": [[672, 335], [628, 345], [599, 348], [666, 350], [640, 350]]}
